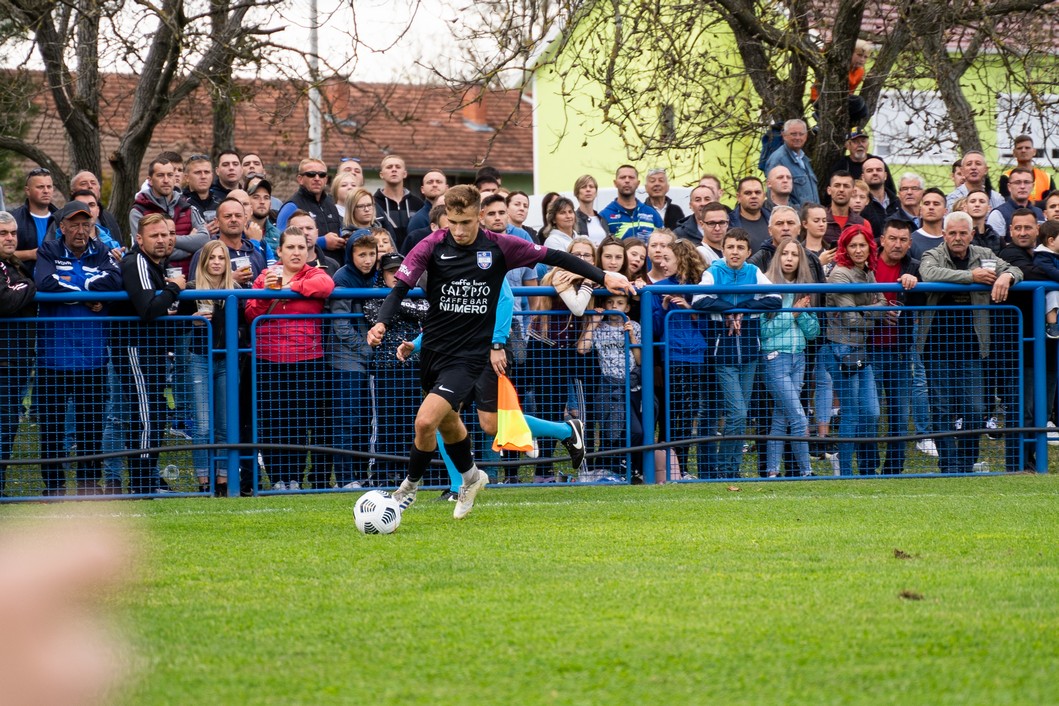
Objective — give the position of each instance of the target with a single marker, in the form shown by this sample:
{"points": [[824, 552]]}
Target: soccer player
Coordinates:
{"points": [[466, 266]]}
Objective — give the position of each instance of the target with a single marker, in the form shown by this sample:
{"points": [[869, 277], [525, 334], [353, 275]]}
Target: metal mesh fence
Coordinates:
{"points": [[113, 405], [109, 387]]}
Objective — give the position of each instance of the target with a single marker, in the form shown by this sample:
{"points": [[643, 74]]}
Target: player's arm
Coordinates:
{"points": [[614, 282], [387, 312]]}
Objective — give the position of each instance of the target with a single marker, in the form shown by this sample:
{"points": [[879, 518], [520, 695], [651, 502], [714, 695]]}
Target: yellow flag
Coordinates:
{"points": [[512, 432]]}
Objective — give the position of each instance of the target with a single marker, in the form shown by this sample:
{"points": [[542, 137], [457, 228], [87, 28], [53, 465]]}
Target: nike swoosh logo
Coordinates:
{"points": [[444, 389], [448, 257]]}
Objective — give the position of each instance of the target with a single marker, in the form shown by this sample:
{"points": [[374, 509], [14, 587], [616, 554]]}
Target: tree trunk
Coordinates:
{"points": [[947, 74], [220, 82], [85, 148]]}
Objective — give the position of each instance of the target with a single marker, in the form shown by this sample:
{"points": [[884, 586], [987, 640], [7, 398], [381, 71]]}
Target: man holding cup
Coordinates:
{"points": [[955, 340], [141, 347], [247, 261]]}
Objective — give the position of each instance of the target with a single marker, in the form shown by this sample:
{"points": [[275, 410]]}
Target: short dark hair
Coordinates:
{"points": [[84, 192], [841, 174], [485, 172], [493, 198], [173, 157], [228, 151], [463, 197], [1019, 212], [298, 213], [1022, 138], [516, 193], [1048, 231], [935, 190], [714, 206], [485, 180], [736, 234], [626, 166], [1021, 170], [956, 165], [436, 212], [739, 186], [158, 161], [899, 224]]}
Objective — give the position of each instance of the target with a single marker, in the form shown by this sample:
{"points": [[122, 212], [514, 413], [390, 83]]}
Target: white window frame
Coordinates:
{"points": [[912, 127]]}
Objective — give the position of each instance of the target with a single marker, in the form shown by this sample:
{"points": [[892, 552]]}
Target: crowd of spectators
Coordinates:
{"points": [[782, 363]]}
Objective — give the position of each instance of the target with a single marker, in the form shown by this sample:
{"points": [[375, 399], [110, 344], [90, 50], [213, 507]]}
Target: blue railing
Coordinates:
{"points": [[236, 444]]}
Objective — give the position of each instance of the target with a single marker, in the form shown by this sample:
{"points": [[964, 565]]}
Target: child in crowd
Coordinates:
{"points": [[383, 240], [606, 335], [635, 260], [657, 242], [680, 263], [1046, 256], [732, 338], [784, 335]]}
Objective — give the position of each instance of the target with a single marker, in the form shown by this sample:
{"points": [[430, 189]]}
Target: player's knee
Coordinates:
{"points": [[488, 423]]}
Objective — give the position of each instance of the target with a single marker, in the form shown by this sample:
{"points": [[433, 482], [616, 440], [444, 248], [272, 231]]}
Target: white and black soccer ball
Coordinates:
{"points": [[376, 512]]}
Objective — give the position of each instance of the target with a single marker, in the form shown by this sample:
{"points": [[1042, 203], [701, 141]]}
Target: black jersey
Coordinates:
{"points": [[463, 285]]}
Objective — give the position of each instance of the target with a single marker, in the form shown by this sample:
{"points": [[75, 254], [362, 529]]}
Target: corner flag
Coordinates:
{"points": [[512, 431]]}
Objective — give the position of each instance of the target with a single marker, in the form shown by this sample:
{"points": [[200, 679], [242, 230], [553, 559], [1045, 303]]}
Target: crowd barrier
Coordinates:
{"points": [[106, 405]]}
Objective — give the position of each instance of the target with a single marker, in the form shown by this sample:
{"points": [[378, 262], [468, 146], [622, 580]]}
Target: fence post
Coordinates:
{"points": [[1040, 381], [647, 382], [231, 369]]}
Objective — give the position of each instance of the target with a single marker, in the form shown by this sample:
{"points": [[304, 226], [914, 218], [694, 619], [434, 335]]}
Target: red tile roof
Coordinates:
{"points": [[423, 124]]}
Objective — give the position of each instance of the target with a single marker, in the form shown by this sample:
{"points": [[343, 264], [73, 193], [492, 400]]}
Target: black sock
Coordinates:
{"points": [[418, 463], [460, 453]]}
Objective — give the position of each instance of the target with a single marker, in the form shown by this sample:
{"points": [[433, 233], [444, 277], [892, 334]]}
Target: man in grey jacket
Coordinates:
{"points": [[954, 339]]}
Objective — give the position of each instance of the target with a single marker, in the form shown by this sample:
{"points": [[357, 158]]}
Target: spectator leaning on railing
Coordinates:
{"points": [[955, 342]]}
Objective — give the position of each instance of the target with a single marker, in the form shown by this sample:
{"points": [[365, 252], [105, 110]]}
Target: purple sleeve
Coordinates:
{"points": [[519, 252], [415, 263]]}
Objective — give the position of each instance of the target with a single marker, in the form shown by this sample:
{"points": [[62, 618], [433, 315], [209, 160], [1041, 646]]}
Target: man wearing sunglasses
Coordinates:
{"points": [[313, 197]]}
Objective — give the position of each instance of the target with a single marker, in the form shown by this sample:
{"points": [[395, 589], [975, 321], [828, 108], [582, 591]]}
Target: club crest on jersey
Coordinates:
{"points": [[485, 259]]}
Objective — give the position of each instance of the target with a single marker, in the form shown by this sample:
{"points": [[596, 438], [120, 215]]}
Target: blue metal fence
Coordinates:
{"points": [[313, 425]]}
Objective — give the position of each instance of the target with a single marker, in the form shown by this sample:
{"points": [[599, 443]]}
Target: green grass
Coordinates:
{"points": [[777, 593]]}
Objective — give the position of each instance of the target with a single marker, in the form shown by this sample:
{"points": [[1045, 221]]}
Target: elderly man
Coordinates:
{"points": [[657, 188], [72, 354], [792, 156], [88, 180], [955, 341]]}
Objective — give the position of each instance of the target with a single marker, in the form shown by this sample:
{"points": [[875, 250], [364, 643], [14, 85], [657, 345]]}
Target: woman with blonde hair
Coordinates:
{"points": [[206, 363], [588, 221]]}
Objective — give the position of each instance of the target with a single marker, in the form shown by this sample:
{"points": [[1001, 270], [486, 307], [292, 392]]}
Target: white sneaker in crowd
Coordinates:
{"points": [[279, 486], [926, 446], [294, 485]]}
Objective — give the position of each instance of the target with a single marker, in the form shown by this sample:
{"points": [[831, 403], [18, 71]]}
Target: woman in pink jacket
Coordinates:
{"points": [[289, 358]]}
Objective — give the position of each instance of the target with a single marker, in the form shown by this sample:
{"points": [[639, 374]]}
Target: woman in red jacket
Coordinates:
{"points": [[289, 357]]}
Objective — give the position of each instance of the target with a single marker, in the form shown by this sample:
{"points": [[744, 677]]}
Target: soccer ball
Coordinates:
{"points": [[376, 512]]}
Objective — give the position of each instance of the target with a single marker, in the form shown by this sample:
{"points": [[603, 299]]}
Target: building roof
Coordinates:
{"points": [[426, 125]]}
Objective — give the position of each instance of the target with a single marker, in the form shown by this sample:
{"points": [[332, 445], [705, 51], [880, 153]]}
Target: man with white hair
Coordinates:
{"points": [[954, 339], [792, 156]]}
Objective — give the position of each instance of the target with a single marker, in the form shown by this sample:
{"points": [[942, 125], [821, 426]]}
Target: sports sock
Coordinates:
{"points": [[455, 479], [460, 453], [547, 430], [418, 463]]}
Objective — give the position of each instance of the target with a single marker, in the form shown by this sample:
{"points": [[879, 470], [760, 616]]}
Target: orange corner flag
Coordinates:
{"points": [[512, 432]]}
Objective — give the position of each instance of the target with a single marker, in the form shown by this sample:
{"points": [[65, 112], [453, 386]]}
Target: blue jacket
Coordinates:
{"points": [[684, 341], [639, 222], [74, 345], [742, 348], [346, 343], [805, 186]]}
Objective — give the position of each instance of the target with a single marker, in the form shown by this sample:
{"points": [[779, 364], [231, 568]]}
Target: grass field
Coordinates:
{"points": [[940, 591]]}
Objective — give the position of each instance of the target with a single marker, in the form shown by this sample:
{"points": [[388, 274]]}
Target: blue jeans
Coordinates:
{"points": [[920, 397], [784, 377], [893, 371], [211, 412], [351, 423], [859, 401], [824, 390], [735, 381], [957, 385]]}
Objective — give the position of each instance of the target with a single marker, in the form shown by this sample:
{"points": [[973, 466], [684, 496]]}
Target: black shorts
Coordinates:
{"points": [[486, 388], [451, 377]]}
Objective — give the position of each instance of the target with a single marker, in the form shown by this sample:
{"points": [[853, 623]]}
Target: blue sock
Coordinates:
{"points": [[455, 479], [547, 430]]}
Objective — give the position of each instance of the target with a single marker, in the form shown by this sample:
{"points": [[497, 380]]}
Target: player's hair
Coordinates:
{"points": [[463, 197]]}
